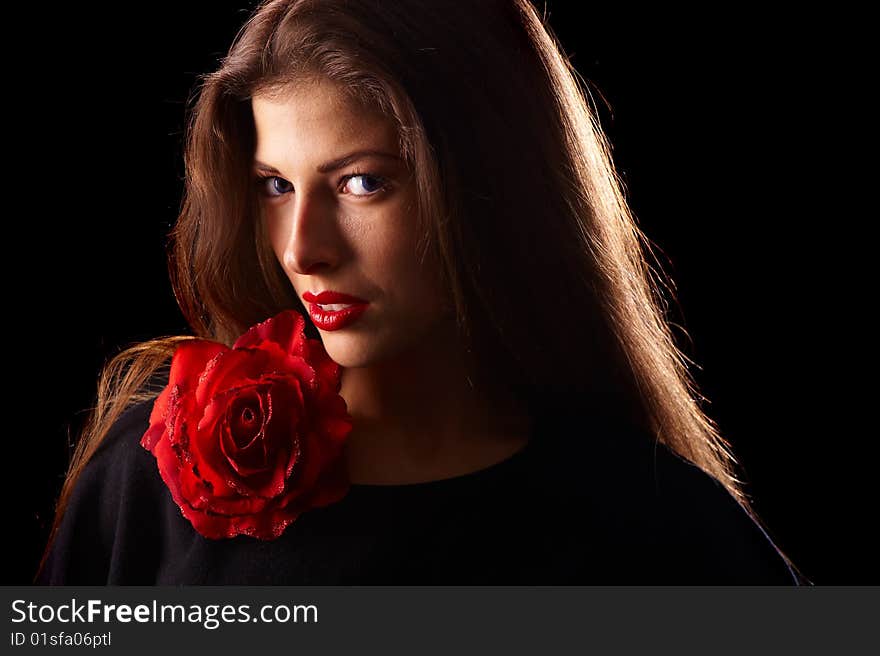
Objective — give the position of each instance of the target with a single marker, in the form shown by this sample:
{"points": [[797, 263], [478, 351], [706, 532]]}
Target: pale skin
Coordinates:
{"points": [[416, 416]]}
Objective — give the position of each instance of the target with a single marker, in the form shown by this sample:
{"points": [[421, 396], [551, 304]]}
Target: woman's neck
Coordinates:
{"points": [[419, 418]]}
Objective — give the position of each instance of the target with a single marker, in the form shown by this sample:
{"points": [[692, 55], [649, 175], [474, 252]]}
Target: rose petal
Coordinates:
{"points": [[326, 369], [244, 443], [281, 436], [204, 445], [333, 420], [286, 329], [230, 369], [190, 361]]}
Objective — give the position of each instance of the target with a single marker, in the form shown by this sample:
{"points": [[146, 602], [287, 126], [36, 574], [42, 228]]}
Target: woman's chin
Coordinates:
{"points": [[347, 353], [357, 351]]}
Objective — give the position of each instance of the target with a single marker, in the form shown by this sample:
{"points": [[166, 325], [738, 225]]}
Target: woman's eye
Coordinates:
{"points": [[364, 184], [272, 185]]}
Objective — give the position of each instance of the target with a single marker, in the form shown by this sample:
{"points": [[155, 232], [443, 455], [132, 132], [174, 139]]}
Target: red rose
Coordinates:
{"points": [[248, 438]]}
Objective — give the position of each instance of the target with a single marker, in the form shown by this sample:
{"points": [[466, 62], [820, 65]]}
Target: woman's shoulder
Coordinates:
{"points": [[704, 531], [112, 506], [660, 519], [120, 465], [121, 445]]}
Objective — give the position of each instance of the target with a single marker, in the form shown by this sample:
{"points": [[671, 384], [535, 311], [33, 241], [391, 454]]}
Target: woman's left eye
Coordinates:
{"points": [[365, 184]]}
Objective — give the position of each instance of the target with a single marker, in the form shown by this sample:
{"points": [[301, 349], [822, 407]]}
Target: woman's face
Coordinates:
{"points": [[345, 224]]}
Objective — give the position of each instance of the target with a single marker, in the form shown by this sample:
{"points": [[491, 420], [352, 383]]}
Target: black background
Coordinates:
{"points": [[721, 132]]}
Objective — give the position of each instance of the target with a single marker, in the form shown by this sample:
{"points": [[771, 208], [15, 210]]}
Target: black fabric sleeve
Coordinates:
{"points": [[704, 536], [645, 516], [107, 533]]}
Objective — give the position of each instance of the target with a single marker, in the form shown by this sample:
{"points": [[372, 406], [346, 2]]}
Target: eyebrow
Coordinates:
{"points": [[336, 164]]}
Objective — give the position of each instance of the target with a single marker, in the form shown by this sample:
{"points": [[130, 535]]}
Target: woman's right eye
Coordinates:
{"points": [[272, 185]]}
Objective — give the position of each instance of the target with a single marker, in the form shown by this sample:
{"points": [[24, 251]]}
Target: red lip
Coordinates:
{"points": [[331, 297], [334, 319]]}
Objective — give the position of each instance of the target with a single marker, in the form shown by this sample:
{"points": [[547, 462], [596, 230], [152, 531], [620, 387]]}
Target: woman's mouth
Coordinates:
{"points": [[331, 310], [335, 316]]}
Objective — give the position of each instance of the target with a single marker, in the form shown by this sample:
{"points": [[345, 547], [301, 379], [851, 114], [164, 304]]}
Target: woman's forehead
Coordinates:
{"points": [[317, 122], [324, 105]]}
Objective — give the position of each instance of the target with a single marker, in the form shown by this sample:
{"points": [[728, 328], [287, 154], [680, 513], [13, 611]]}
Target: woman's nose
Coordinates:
{"points": [[313, 238]]}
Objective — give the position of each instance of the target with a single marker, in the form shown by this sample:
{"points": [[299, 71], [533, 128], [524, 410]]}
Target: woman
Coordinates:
{"points": [[520, 411]]}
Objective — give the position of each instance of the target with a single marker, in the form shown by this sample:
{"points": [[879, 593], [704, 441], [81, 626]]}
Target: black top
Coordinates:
{"points": [[592, 506]]}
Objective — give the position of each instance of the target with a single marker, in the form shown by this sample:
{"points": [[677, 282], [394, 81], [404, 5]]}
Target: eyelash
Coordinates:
{"points": [[261, 180]]}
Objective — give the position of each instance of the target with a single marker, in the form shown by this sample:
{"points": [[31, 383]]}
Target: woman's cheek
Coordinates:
{"points": [[276, 233]]}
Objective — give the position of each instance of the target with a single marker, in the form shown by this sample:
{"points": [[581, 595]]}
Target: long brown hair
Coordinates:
{"points": [[518, 198]]}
